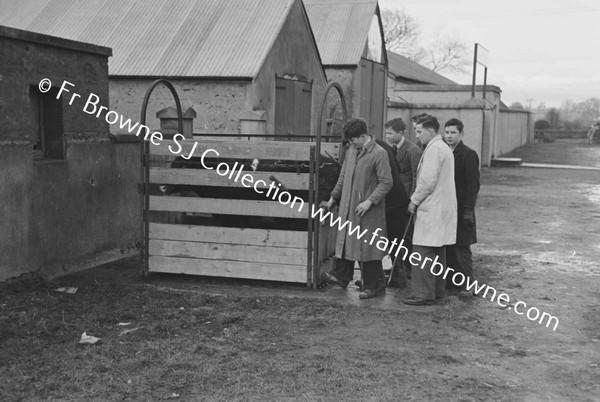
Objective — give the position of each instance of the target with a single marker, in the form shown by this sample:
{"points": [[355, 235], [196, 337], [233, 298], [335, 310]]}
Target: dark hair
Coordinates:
{"points": [[354, 128], [429, 122], [396, 124], [416, 118], [456, 123]]}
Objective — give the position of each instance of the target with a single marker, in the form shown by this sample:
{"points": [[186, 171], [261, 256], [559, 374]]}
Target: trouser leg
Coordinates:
{"points": [[399, 273], [424, 284], [440, 282], [373, 275], [343, 270], [460, 258], [452, 262]]}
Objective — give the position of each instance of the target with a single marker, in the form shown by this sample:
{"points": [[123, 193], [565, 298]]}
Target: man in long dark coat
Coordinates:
{"points": [[364, 181], [466, 180], [396, 202]]}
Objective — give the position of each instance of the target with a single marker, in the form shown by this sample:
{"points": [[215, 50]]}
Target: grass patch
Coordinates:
{"points": [[221, 348]]}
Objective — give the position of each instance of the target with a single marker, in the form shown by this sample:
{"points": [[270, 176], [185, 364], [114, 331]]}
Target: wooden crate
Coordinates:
{"points": [[172, 245]]}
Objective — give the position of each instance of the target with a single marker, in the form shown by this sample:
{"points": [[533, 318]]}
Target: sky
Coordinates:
{"points": [[539, 50]]}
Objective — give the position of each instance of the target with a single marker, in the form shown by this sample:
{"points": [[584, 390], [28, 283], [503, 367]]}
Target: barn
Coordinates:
{"points": [[349, 35], [242, 65]]}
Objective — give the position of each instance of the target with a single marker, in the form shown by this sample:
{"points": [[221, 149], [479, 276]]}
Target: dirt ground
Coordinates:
{"points": [[208, 339]]}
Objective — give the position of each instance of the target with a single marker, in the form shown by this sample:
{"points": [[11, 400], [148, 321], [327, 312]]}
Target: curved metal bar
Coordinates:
{"points": [[340, 91], [145, 170], [175, 96]]}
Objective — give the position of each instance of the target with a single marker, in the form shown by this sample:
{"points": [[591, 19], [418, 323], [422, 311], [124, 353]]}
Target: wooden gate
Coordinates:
{"points": [[189, 235], [206, 211]]}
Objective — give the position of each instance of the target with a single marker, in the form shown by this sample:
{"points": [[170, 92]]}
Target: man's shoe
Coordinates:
{"points": [[332, 279], [413, 301], [466, 294], [367, 294], [370, 293]]}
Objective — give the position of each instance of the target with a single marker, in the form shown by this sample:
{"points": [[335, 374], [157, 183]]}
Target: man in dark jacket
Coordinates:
{"points": [[407, 156], [396, 201], [466, 180]]}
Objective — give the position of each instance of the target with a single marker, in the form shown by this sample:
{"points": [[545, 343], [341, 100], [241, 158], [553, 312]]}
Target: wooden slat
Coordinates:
{"points": [[214, 234], [227, 252], [200, 177], [279, 150], [227, 207], [228, 269]]}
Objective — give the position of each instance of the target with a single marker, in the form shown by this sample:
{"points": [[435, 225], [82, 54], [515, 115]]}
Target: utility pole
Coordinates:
{"points": [[474, 71], [480, 55]]}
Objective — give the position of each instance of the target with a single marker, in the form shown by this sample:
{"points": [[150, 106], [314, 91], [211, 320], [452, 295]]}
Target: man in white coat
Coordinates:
{"points": [[434, 203]]}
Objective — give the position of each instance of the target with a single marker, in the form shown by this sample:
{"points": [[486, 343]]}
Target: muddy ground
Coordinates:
{"points": [[205, 339]]}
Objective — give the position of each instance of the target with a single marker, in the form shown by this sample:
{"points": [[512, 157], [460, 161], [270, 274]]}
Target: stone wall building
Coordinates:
{"points": [[491, 128], [232, 61], [66, 191]]}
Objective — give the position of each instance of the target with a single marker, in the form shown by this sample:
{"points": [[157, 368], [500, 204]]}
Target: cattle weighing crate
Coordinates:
{"points": [[199, 221]]}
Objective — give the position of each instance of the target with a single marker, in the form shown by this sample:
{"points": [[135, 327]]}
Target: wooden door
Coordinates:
{"points": [[293, 105]]}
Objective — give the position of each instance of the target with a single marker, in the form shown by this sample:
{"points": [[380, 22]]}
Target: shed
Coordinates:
{"points": [[226, 58], [66, 189], [349, 34], [403, 70]]}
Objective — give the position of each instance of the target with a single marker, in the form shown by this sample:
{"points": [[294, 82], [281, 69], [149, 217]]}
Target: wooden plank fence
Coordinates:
{"points": [[209, 247]]}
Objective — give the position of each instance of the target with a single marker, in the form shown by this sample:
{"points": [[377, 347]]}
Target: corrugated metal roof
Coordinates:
{"points": [[341, 28], [402, 67], [183, 38]]}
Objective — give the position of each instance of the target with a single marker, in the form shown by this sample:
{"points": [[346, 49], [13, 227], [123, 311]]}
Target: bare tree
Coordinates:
{"points": [[567, 110], [529, 104], [553, 117], [403, 35], [588, 111], [447, 54]]}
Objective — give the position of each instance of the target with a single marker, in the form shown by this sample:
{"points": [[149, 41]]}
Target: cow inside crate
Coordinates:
{"points": [[329, 170]]}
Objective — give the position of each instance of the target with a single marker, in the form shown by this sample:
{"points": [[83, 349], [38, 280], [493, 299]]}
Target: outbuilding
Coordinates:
{"points": [[66, 194], [248, 66], [349, 34]]}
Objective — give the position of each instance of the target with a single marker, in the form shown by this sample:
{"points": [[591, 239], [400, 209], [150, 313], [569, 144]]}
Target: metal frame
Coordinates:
{"points": [[145, 169], [316, 229], [313, 228]]}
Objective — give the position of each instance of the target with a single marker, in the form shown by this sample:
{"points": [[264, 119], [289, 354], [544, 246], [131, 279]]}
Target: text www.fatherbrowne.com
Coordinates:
{"points": [[92, 106], [394, 248]]}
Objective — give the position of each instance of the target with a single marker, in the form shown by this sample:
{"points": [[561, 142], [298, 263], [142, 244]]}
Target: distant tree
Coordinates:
{"points": [[447, 54], [567, 110], [588, 111], [541, 125], [517, 105], [553, 117], [403, 36], [402, 33], [529, 104], [540, 111]]}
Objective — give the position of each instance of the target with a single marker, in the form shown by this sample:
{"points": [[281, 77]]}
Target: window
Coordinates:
{"points": [[46, 124]]}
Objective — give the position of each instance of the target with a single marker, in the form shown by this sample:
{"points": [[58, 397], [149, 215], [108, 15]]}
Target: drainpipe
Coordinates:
{"points": [[489, 163]]}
